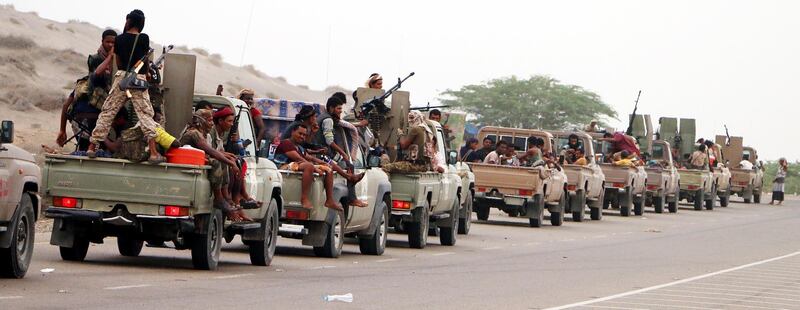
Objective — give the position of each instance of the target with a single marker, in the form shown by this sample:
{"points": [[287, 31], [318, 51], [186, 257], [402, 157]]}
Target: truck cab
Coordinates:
{"points": [[584, 183], [322, 228], [663, 180], [19, 204], [520, 191]]}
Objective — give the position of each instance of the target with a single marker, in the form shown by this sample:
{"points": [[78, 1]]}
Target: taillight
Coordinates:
{"points": [[399, 204], [572, 187], [65, 202], [174, 211], [744, 183], [652, 187], [619, 185], [482, 189], [297, 214], [525, 192], [693, 187]]}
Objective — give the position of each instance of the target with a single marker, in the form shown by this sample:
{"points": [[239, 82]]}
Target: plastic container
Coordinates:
{"points": [[186, 156]]}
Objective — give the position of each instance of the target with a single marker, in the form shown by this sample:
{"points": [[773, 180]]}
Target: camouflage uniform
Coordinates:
{"points": [[116, 99], [405, 167]]}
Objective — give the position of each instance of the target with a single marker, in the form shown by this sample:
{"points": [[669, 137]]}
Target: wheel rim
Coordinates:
{"points": [[22, 237], [212, 235], [271, 223], [382, 229], [425, 226], [468, 218], [337, 232]]}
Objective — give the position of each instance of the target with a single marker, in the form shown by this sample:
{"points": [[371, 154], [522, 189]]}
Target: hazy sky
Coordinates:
{"points": [[722, 62]]}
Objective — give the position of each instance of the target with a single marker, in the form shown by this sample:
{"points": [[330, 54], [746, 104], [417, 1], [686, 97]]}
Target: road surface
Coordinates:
{"points": [[741, 257]]}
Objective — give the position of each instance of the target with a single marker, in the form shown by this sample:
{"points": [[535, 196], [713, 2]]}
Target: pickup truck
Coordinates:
{"points": [[663, 180], [584, 183], [419, 199], [91, 199], [19, 204], [322, 228], [748, 183], [624, 186], [697, 187], [524, 191]]}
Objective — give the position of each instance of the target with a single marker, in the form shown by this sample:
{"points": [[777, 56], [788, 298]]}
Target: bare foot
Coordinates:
{"points": [[240, 213], [358, 203], [333, 205], [356, 178], [306, 203]]}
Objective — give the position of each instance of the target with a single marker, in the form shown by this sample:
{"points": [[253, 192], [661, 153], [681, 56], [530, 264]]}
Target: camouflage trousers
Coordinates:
{"points": [[115, 100], [405, 167], [218, 175]]}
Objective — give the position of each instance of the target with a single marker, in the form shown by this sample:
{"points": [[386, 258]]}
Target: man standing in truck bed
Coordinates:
{"points": [[620, 142], [415, 146]]}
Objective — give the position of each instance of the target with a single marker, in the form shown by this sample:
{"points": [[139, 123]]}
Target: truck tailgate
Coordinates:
{"points": [[617, 175], [576, 174], [691, 177], [122, 181], [506, 179]]}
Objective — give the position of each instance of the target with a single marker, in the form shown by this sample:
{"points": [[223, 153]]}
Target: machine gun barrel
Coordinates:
{"points": [[629, 131]]}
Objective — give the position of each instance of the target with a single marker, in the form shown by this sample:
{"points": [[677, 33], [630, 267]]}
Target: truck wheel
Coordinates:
{"points": [[483, 211], [418, 231], [638, 206], [672, 206], [536, 211], [14, 261], [596, 214], [80, 246], [557, 218], [711, 202], [129, 246], [206, 247], [465, 222], [334, 240], [447, 235], [625, 201], [757, 197], [262, 251], [375, 244], [724, 200], [747, 200], [658, 203], [513, 213], [578, 206], [698, 200]]}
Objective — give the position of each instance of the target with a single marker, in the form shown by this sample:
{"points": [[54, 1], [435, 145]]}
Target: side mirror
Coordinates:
{"points": [[452, 157], [598, 158], [7, 132]]}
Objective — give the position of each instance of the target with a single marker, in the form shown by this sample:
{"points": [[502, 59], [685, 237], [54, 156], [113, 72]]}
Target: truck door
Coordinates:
{"points": [[5, 186], [359, 218], [254, 176], [447, 191]]}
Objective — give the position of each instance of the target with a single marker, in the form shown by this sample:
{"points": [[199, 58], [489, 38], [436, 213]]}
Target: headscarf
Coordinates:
{"points": [[245, 91], [305, 112], [416, 119], [372, 78]]}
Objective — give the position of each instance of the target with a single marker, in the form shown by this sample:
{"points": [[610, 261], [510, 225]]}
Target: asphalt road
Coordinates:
{"points": [[743, 256]]}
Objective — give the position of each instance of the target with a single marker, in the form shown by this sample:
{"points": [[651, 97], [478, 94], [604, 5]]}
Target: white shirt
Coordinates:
{"points": [[746, 164]]}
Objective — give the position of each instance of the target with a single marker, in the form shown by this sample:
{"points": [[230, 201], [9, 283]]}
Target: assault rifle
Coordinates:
{"points": [[379, 101], [629, 131], [728, 136], [155, 67], [428, 107]]}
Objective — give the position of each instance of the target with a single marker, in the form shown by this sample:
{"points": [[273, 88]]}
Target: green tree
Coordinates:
{"points": [[536, 102]]}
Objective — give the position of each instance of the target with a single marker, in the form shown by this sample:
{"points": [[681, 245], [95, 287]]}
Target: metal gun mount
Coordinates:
{"points": [[379, 102]]}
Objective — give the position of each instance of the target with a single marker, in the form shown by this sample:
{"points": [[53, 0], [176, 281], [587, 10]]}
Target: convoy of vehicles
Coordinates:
{"points": [[91, 199], [520, 191]]}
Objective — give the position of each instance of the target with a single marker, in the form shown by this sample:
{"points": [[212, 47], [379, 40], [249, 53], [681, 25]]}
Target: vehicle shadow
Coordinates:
{"points": [[150, 262]]}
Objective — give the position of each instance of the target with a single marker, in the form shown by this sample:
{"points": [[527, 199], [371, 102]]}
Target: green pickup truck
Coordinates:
{"points": [[92, 199]]}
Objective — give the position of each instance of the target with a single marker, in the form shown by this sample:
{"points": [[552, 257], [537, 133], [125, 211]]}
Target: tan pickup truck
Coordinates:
{"points": [[19, 204], [747, 183], [624, 186], [584, 183], [663, 180], [523, 191]]}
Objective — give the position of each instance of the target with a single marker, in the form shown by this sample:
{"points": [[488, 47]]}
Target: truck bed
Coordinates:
{"points": [[576, 174], [103, 182], [616, 175], [411, 186], [508, 180]]}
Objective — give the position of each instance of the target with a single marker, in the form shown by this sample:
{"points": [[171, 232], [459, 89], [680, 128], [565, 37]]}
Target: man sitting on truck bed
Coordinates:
{"points": [[495, 157], [195, 136], [620, 142], [291, 155], [415, 146], [699, 159]]}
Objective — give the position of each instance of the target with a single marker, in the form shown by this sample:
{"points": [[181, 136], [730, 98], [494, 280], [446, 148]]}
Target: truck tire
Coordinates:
{"points": [[711, 202], [757, 196], [578, 206], [375, 244], [672, 206], [418, 231], [625, 201], [698, 200], [465, 222], [658, 203], [482, 210], [513, 213], [77, 252], [129, 246], [724, 200], [206, 247], [334, 239], [447, 235], [535, 211], [557, 218], [596, 213], [14, 260], [638, 206], [262, 251]]}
